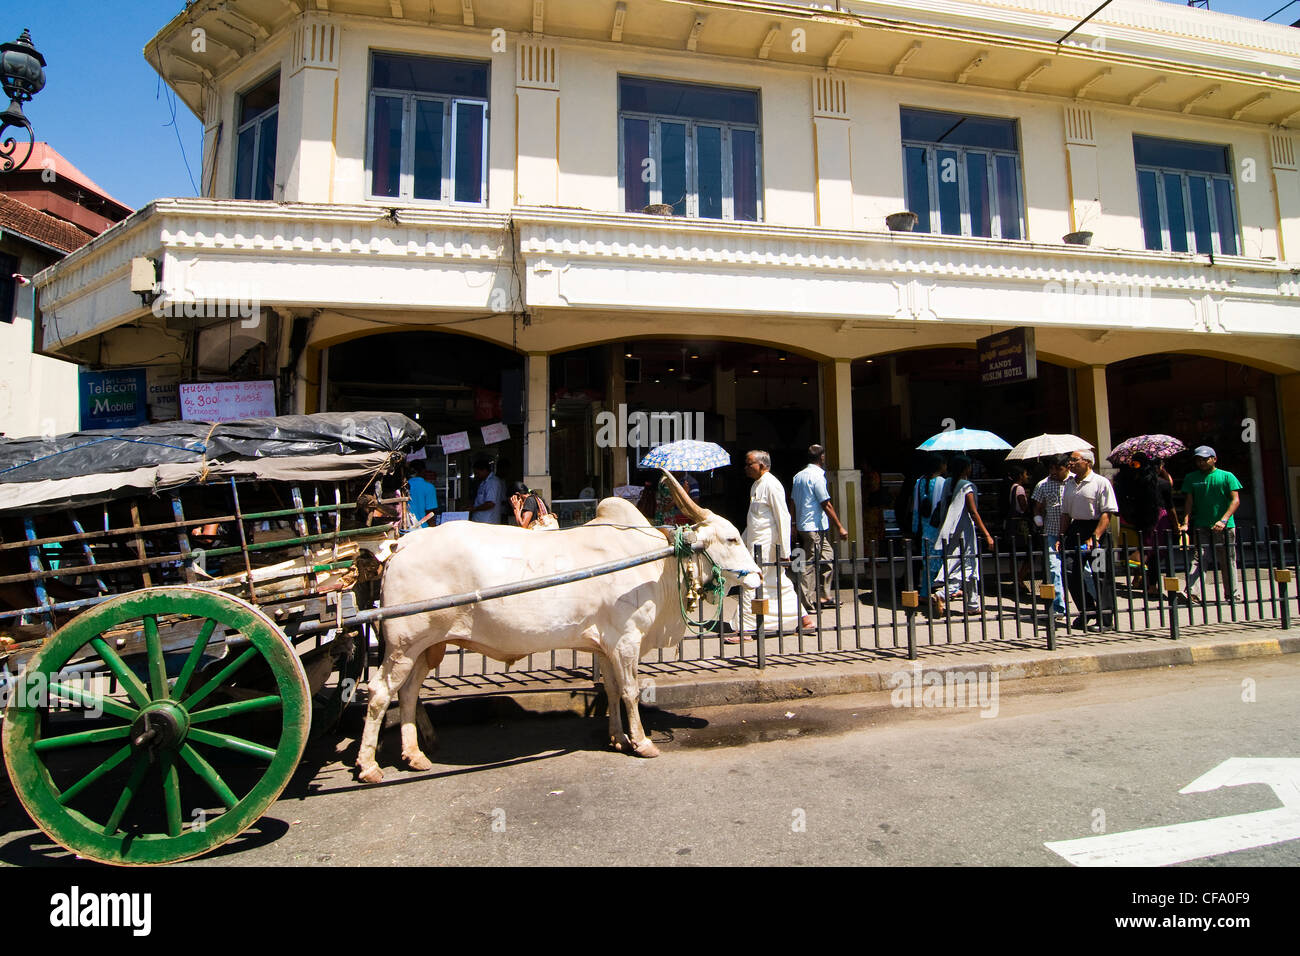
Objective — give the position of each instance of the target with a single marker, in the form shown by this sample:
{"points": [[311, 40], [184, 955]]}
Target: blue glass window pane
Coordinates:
{"points": [[386, 169], [918, 187], [708, 159], [956, 129], [688, 100], [1177, 214], [744, 172], [1227, 216], [422, 74], [672, 165], [469, 152], [1009, 197], [1176, 154], [977, 178], [949, 172], [428, 149], [264, 181], [1149, 201], [1201, 213], [245, 149], [636, 150]]}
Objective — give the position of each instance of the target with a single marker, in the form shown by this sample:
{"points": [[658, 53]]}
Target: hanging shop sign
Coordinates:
{"points": [[227, 401], [495, 433], [116, 399], [1008, 357]]}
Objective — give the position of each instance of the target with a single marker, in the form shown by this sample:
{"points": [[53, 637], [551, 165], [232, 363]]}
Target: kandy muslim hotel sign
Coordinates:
{"points": [[1007, 358]]}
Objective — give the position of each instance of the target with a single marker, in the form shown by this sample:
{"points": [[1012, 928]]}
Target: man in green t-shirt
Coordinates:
{"points": [[1212, 498]]}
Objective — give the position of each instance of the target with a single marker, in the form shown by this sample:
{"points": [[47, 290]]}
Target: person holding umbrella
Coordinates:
{"points": [[960, 573], [1086, 507]]}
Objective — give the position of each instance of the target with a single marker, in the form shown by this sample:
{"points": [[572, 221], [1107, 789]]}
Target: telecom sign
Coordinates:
{"points": [[117, 399], [1007, 357]]}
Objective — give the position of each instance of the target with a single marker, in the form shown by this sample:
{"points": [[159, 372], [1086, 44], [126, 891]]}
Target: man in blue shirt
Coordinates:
{"points": [[490, 497], [424, 495], [814, 515]]}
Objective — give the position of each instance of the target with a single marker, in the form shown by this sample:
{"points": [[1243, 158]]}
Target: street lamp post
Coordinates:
{"points": [[22, 76]]}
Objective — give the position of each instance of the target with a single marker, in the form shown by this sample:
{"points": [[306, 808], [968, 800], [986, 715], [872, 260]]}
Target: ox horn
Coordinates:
{"points": [[694, 513]]}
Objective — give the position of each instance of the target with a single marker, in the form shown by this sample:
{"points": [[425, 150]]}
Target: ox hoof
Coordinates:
{"points": [[620, 744], [418, 761], [646, 749], [371, 775]]}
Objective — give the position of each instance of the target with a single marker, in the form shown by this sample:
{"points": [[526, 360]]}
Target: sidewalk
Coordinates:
{"points": [[684, 684]]}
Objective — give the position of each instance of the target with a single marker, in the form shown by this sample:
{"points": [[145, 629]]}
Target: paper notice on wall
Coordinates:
{"points": [[495, 433], [164, 387], [227, 401], [451, 444]]}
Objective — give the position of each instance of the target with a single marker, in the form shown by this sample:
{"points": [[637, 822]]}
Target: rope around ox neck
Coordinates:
{"points": [[684, 553]]}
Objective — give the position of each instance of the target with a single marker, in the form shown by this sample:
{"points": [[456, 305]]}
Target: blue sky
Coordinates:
{"points": [[104, 109]]}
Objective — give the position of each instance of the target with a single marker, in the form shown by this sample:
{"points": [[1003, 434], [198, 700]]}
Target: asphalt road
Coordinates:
{"points": [[839, 780]]}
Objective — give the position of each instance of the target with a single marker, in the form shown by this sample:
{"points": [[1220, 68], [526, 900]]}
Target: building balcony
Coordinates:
{"points": [[552, 262]]}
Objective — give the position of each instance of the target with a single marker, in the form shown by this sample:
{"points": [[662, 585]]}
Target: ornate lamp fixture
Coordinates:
{"points": [[22, 75]]}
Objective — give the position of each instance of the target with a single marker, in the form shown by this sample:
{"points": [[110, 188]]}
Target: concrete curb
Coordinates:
{"points": [[793, 680]]}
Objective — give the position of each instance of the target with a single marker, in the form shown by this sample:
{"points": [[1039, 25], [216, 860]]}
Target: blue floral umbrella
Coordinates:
{"points": [[964, 439], [687, 455]]}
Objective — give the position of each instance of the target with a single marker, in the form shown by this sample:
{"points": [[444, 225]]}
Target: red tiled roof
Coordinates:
{"points": [[31, 223], [45, 156]]}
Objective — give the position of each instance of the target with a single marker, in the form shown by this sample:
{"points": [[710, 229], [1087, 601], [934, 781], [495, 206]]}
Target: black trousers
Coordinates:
{"points": [[1087, 576]]}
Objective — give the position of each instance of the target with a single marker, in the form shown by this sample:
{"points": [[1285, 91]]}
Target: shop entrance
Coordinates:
{"points": [[450, 384], [738, 395], [1206, 401]]}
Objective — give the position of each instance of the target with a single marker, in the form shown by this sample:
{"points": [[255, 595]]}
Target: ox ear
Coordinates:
{"points": [[693, 512]]}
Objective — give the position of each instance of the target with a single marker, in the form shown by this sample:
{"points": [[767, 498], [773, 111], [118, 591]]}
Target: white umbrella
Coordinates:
{"points": [[964, 439], [1045, 444]]}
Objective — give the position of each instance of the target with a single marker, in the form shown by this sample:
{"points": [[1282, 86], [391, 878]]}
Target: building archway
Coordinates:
{"points": [[1230, 406], [449, 383], [741, 395]]}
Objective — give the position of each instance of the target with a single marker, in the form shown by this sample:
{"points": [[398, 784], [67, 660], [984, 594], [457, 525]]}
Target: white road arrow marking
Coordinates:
{"points": [[1162, 846]]}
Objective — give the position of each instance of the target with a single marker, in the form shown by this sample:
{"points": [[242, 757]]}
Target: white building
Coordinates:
{"points": [[438, 207]]}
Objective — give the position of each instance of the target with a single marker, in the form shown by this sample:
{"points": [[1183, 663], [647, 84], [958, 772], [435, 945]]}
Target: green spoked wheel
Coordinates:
{"points": [[127, 753]]}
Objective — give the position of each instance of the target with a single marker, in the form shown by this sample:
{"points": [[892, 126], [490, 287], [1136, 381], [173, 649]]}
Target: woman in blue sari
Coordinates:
{"points": [[959, 576]]}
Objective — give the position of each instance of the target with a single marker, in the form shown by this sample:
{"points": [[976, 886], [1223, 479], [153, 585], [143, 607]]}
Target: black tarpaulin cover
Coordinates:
{"points": [[196, 443]]}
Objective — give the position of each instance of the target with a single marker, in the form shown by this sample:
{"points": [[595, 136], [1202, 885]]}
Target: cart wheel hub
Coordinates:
{"points": [[160, 726]]}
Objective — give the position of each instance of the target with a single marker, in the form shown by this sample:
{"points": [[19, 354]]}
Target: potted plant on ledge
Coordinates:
{"points": [[901, 221]]}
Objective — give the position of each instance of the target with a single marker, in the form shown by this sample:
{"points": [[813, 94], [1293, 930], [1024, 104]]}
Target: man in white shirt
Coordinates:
{"points": [[813, 515], [490, 497], [768, 525], [1087, 503]]}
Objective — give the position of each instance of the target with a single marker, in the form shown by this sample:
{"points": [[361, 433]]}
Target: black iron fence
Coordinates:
{"points": [[881, 604], [1028, 591]]}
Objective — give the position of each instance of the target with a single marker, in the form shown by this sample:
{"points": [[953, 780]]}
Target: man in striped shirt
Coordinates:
{"points": [[1047, 517]]}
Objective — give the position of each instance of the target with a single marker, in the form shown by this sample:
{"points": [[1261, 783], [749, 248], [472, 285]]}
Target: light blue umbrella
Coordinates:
{"points": [[964, 439], [687, 455]]}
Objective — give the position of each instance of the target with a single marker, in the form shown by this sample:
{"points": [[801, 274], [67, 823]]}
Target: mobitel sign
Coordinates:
{"points": [[1007, 357], [116, 399]]}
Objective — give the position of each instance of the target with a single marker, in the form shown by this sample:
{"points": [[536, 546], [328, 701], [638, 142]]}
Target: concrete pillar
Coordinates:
{"points": [[309, 106], [1084, 176], [1094, 411], [537, 112], [834, 167], [537, 423], [845, 481]]}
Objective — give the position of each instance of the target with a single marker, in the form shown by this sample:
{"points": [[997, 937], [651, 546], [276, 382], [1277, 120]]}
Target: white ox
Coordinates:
{"points": [[617, 616]]}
